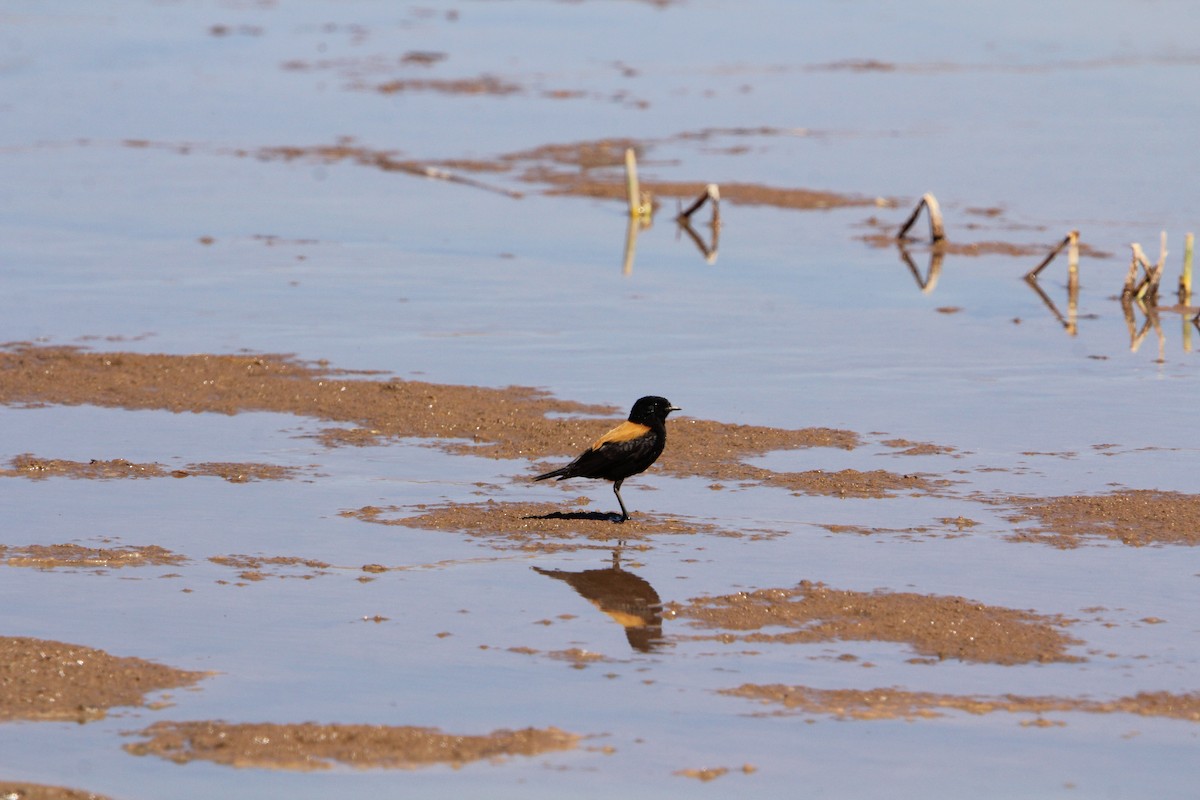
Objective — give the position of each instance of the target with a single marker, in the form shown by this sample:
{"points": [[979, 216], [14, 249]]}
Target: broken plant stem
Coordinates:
{"points": [[1071, 240], [1147, 288], [711, 193], [1185, 278], [936, 231], [631, 183], [639, 205], [1131, 276]]}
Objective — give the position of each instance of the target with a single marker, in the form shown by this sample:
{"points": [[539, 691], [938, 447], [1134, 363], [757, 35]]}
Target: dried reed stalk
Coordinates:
{"points": [[937, 231], [639, 204], [1147, 288], [631, 183], [1185, 278], [711, 193], [1071, 241]]}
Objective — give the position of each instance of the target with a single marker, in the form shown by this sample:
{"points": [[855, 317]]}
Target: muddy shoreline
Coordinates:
{"points": [[513, 424]]}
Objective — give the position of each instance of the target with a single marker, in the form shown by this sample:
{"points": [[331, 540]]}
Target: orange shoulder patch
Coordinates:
{"points": [[622, 433]]}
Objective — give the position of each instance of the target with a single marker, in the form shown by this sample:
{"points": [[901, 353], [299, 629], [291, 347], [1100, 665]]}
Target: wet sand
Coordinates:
{"points": [[936, 628], [495, 423], [899, 704], [79, 557], [511, 423], [28, 465], [315, 747], [31, 791], [46, 680], [1135, 518]]}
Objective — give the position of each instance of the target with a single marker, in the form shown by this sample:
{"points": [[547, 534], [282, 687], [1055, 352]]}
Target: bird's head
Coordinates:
{"points": [[651, 409]]}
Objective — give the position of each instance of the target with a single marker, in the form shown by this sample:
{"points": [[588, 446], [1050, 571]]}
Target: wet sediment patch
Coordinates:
{"points": [[936, 627], [1137, 517], [945, 528], [541, 527], [577, 169], [76, 556], [259, 568], [309, 746], [47, 680], [37, 791], [893, 703], [594, 169], [30, 466], [507, 423]]}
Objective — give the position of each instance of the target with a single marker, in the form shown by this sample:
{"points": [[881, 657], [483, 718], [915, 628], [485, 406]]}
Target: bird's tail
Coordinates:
{"points": [[559, 473]]}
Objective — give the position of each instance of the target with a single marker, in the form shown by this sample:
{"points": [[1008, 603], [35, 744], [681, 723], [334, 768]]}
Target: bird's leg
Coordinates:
{"points": [[617, 492]]}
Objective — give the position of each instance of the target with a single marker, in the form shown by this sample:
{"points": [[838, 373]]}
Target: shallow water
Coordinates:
{"points": [[1071, 117]]}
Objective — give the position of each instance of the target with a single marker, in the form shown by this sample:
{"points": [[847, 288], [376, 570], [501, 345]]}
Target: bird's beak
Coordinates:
{"points": [[673, 408]]}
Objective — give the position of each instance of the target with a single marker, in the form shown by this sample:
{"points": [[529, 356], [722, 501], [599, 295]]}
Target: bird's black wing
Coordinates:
{"points": [[615, 455]]}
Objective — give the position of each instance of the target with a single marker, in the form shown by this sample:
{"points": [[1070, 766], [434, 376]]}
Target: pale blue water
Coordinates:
{"points": [[1076, 115]]}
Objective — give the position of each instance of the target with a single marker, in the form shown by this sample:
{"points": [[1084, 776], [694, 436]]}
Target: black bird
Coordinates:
{"points": [[626, 450]]}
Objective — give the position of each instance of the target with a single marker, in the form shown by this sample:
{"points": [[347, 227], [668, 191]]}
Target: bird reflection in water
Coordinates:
{"points": [[629, 599]]}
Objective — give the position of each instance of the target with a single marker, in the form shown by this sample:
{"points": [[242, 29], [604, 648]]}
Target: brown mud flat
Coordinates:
{"points": [[579, 169], [539, 526], [577, 657], [892, 703], [706, 774], [875, 483], [950, 528], [37, 791], [592, 169], [1136, 517], [52, 556], [353, 67], [507, 423], [258, 568], [483, 84], [28, 465], [936, 627], [595, 169], [237, 472], [904, 447], [574, 184], [947, 247], [309, 746], [46, 680], [512, 423]]}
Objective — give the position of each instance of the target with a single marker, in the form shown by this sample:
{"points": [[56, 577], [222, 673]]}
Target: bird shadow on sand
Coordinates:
{"points": [[596, 516]]}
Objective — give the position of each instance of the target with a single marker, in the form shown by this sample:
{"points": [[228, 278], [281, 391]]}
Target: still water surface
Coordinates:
{"points": [[1075, 115]]}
